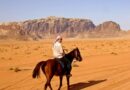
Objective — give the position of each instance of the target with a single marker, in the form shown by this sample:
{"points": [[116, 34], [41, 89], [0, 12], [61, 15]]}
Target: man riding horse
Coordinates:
{"points": [[58, 66], [58, 53]]}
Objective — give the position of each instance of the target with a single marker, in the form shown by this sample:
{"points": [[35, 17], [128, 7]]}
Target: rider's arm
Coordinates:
{"points": [[61, 49]]}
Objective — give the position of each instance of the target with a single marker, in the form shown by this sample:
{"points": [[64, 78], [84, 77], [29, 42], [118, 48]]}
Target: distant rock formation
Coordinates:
{"points": [[10, 30], [51, 26], [106, 29], [108, 26]]}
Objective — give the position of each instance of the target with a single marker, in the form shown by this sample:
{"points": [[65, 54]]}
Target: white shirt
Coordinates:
{"points": [[58, 50]]}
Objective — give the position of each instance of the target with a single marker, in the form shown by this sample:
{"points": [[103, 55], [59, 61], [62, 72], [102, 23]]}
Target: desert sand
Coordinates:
{"points": [[105, 65]]}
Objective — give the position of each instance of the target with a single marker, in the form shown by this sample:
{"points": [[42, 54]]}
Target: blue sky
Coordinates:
{"points": [[96, 10]]}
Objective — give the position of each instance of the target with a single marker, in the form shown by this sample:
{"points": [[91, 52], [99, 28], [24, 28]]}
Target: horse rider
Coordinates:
{"points": [[58, 51]]}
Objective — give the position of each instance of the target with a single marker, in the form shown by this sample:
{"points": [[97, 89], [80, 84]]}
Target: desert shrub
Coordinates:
{"points": [[2, 58], [102, 45], [16, 47], [10, 58], [37, 48], [16, 69], [114, 53], [11, 68], [28, 52]]}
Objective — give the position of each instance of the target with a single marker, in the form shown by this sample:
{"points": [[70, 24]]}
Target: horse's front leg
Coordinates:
{"points": [[61, 77], [68, 82]]}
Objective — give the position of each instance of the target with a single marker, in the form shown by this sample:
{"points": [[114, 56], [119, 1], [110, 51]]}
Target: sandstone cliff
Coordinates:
{"points": [[48, 27], [106, 29]]}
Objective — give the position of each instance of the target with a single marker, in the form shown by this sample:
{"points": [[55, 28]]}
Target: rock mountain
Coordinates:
{"points": [[51, 26]]}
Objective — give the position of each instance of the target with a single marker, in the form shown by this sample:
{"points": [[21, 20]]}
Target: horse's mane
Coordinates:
{"points": [[69, 52]]}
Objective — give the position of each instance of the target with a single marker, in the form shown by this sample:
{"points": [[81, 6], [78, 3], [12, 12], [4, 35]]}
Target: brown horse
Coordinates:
{"points": [[56, 67]]}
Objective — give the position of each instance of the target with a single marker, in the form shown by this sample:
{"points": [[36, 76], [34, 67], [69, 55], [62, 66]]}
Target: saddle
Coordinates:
{"points": [[61, 63]]}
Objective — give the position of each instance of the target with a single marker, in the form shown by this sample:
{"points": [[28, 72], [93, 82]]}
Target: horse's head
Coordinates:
{"points": [[77, 54]]}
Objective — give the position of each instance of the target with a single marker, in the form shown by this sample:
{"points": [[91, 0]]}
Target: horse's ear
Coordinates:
{"points": [[76, 48]]}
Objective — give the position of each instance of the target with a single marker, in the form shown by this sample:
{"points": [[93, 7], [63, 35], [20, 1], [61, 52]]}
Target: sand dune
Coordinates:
{"points": [[105, 65]]}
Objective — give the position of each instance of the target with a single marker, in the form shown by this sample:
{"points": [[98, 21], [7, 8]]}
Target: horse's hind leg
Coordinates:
{"points": [[50, 86], [45, 88], [47, 84], [49, 77], [61, 77]]}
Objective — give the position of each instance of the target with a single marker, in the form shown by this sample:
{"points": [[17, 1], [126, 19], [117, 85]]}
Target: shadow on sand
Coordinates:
{"points": [[81, 85]]}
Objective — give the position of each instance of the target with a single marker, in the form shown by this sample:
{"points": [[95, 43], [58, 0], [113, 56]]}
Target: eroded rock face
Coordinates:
{"points": [[47, 27], [106, 29], [108, 26], [40, 28], [10, 30], [53, 25]]}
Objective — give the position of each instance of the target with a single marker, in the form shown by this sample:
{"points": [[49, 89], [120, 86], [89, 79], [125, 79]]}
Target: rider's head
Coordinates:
{"points": [[59, 39]]}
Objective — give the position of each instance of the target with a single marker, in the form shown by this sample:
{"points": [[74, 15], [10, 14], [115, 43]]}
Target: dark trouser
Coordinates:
{"points": [[67, 66]]}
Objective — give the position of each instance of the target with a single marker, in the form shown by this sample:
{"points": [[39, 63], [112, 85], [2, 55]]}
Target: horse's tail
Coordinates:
{"points": [[36, 70]]}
